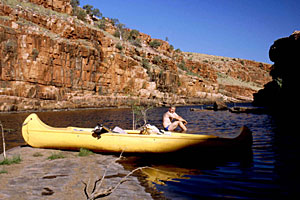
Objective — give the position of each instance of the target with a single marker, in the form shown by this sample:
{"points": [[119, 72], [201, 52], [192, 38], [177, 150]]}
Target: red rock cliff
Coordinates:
{"points": [[52, 60]]}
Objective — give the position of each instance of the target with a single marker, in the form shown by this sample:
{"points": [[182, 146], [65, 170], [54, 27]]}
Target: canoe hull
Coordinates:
{"points": [[37, 134]]}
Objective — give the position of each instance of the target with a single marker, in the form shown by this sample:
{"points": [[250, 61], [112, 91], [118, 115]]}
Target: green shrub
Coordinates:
{"points": [[171, 48], [133, 34], [102, 24], [90, 10], [178, 50], [145, 64], [155, 44], [182, 66], [157, 60], [116, 34], [119, 46], [96, 12], [80, 13], [74, 3], [137, 42], [114, 21]]}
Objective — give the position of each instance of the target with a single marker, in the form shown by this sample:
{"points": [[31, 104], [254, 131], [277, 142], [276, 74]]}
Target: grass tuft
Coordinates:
{"points": [[14, 160], [55, 156], [3, 171], [84, 152]]}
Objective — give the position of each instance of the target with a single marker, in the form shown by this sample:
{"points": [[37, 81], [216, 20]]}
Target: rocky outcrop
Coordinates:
{"points": [[63, 6], [38, 176], [52, 60], [281, 90]]}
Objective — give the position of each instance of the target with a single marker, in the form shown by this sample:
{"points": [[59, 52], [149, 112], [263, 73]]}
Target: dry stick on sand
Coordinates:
{"points": [[3, 139], [98, 192]]}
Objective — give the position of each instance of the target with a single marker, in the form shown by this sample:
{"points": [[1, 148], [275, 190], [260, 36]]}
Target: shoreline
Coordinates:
{"points": [[110, 107], [36, 176]]}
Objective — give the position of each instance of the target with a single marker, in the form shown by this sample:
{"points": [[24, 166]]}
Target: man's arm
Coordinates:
{"points": [[179, 118]]}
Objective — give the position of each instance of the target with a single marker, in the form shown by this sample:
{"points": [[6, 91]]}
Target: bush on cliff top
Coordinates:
{"points": [[155, 44]]}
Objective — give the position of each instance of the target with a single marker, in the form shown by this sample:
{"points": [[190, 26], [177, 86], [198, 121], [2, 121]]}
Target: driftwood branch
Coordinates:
{"points": [[124, 179], [85, 190], [101, 181], [3, 140], [98, 192]]}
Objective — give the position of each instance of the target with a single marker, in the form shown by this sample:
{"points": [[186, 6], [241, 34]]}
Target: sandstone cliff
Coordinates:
{"points": [[52, 60]]}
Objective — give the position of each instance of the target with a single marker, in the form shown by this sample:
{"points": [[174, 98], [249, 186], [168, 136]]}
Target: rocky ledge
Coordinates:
{"points": [[38, 177]]}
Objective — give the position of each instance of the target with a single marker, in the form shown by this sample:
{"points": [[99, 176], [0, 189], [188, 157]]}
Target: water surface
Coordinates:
{"points": [[270, 170]]}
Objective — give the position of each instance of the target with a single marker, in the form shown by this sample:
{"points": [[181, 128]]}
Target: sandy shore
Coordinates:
{"points": [[37, 177]]}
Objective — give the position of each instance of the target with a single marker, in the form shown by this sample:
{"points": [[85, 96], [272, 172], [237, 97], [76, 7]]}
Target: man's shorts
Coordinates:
{"points": [[167, 128]]}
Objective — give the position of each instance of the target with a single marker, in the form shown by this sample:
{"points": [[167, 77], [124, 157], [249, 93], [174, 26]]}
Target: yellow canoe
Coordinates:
{"points": [[38, 134]]}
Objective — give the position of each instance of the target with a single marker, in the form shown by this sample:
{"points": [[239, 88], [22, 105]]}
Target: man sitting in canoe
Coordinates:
{"points": [[169, 116]]}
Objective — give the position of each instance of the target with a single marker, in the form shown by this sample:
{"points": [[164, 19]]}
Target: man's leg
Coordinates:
{"points": [[173, 126], [182, 126]]}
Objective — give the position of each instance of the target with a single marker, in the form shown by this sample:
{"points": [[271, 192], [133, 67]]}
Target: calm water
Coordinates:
{"points": [[269, 171]]}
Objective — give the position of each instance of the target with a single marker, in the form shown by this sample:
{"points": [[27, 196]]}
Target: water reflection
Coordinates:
{"points": [[182, 170], [161, 175]]}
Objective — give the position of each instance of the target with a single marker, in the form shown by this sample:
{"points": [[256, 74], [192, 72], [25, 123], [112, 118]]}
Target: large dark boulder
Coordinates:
{"points": [[285, 53], [219, 105]]}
